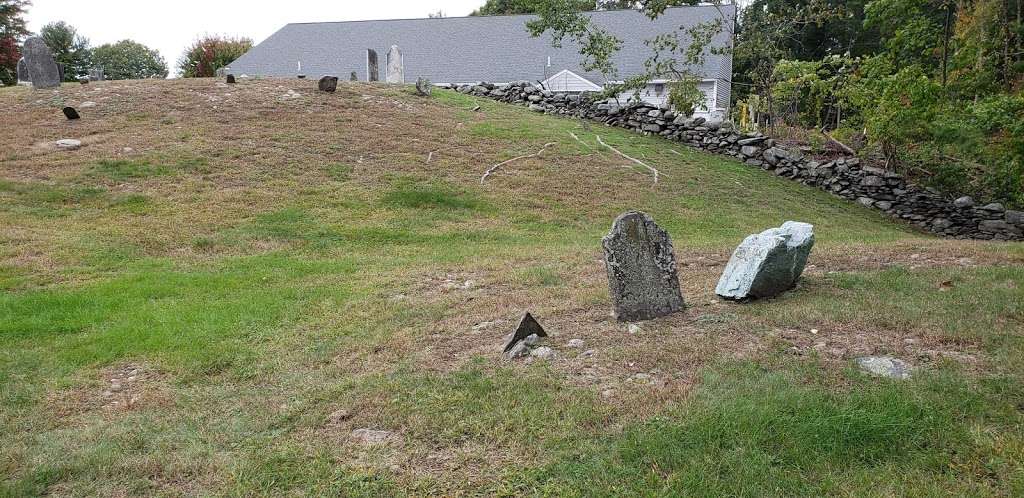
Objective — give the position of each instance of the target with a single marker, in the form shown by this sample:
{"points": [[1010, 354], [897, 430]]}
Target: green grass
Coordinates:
{"points": [[265, 285]]}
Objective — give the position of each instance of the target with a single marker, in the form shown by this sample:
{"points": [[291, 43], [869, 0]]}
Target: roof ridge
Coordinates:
{"points": [[614, 11]]}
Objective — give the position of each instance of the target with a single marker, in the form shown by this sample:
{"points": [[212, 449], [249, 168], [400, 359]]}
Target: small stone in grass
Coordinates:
{"points": [[71, 113], [68, 144], [575, 343], [372, 436], [885, 366], [544, 353]]}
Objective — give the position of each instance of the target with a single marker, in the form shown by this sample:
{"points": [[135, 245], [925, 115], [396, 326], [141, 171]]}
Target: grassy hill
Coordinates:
{"points": [[225, 281]]}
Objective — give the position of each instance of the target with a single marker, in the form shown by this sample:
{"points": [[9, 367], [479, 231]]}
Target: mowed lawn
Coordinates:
{"points": [[225, 282]]}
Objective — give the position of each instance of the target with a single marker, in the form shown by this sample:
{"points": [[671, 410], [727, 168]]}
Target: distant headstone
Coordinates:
{"points": [[230, 79], [302, 76], [22, 70], [372, 70], [527, 326], [641, 266], [328, 84], [41, 68], [395, 69], [767, 264], [97, 74], [71, 113], [353, 77], [424, 87], [60, 71]]}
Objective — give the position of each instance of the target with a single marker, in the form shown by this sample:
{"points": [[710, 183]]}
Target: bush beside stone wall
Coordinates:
{"points": [[846, 177]]}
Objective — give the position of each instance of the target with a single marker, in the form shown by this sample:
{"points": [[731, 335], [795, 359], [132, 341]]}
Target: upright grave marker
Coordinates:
{"points": [[396, 68], [641, 266], [372, 71], [42, 69]]}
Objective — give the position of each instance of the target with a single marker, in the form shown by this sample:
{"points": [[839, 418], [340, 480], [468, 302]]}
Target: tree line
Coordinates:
{"points": [[126, 59]]}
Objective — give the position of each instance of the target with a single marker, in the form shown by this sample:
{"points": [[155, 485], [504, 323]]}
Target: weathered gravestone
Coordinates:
{"points": [[22, 70], [372, 70], [97, 74], [641, 268], [767, 264], [328, 84], [353, 77], [71, 113], [41, 68], [230, 79], [424, 87], [396, 69]]}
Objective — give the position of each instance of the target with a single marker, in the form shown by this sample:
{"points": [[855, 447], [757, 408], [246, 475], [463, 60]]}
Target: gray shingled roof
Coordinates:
{"points": [[468, 49]]}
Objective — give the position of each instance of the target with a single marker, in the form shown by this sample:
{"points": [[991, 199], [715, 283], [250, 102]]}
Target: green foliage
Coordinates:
{"points": [[12, 32], [208, 54], [129, 60], [69, 48], [686, 97]]}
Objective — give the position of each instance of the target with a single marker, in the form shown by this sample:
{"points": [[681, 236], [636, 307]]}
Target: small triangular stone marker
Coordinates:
{"points": [[230, 79], [71, 113], [527, 326]]}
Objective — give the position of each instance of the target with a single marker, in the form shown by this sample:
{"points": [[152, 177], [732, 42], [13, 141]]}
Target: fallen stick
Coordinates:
{"points": [[676, 152], [573, 135], [431, 155], [494, 168], [841, 145], [641, 163]]}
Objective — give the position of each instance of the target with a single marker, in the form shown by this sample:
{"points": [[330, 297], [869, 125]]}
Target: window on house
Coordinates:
{"points": [[659, 88]]}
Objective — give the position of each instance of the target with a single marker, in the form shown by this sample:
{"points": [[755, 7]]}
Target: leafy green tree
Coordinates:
{"points": [[128, 60], [208, 54], [69, 48], [509, 7], [12, 32]]}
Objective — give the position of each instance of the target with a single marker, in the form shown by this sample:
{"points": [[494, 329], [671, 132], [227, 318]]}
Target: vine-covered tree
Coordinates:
{"points": [[129, 60], [210, 53], [12, 33], [69, 48]]}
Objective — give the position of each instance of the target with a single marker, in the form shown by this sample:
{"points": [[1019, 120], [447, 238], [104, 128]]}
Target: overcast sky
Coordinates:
{"points": [[170, 25]]}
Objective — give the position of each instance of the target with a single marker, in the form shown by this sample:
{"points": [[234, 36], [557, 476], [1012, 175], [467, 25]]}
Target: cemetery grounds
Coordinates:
{"points": [[225, 284]]}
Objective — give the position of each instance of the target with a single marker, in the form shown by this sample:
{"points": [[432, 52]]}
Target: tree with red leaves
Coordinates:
{"points": [[12, 32]]}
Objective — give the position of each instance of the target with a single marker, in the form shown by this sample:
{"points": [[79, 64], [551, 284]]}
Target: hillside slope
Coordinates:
{"points": [[224, 282]]}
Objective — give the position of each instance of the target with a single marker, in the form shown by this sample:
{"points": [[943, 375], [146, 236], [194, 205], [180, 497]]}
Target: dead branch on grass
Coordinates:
{"points": [[494, 168], [641, 163], [573, 135]]}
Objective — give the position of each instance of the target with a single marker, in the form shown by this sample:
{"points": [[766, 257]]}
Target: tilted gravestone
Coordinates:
{"points": [[424, 87], [527, 326], [42, 69], [71, 113], [328, 84], [641, 266], [230, 79], [767, 264], [353, 77], [396, 69], [372, 70]]}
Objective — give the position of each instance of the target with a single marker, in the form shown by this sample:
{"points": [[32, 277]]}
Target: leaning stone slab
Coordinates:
{"points": [[641, 266], [767, 264], [39, 63], [527, 327]]}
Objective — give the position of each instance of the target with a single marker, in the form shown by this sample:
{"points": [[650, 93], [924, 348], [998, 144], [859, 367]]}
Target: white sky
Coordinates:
{"points": [[171, 25]]}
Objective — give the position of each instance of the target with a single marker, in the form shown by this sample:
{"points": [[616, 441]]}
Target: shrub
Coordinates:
{"points": [[210, 53], [129, 60]]}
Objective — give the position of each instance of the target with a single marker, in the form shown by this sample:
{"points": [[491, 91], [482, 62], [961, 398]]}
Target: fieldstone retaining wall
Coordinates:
{"points": [[846, 177]]}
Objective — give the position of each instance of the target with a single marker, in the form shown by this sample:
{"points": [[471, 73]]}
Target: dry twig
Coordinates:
{"points": [[573, 135], [494, 168], [641, 163]]}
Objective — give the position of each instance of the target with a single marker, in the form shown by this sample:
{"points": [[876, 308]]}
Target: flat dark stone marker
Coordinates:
{"points": [[527, 327], [231, 79], [71, 113], [328, 84]]}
